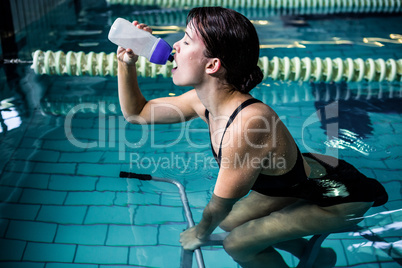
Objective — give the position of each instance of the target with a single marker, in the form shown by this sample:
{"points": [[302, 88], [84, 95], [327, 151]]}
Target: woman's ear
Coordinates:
{"points": [[213, 66]]}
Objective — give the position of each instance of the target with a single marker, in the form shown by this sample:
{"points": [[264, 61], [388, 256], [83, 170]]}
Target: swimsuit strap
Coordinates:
{"points": [[231, 118], [209, 132], [207, 115]]}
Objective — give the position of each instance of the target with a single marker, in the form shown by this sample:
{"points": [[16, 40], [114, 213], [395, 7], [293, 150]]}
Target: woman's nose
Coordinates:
{"points": [[176, 46]]}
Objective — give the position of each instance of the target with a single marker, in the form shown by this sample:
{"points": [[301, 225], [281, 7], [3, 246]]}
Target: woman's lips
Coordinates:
{"points": [[174, 66]]}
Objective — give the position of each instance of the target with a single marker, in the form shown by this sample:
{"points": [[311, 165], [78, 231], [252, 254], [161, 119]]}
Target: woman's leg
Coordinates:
{"points": [[262, 206], [326, 256], [267, 258], [250, 242], [254, 206]]}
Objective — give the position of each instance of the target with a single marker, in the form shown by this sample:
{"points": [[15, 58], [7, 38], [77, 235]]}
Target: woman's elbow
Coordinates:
{"points": [[132, 116], [135, 119]]}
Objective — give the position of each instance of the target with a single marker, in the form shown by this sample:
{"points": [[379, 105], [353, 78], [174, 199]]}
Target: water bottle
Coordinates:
{"points": [[123, 33]]}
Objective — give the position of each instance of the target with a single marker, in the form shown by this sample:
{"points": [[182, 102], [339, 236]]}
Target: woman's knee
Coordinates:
{"points": [[239, 249], [241, 254], [235, 248], [227, 225]]}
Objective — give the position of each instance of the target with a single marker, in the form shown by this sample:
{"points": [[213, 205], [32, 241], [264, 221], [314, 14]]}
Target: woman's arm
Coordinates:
{"points": [[216, 210], [130, 97], [136, 108], [214, 213], [240, 166]]}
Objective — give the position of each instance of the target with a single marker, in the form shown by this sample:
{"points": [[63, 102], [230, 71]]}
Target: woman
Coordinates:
{"points": [[263, 205]]}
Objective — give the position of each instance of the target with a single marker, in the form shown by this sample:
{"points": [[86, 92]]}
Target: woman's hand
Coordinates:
{"points": [[189, 240], [127, 55]]}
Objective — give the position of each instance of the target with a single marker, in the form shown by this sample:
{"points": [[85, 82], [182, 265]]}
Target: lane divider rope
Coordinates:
{"points": [[285, 69], [322, 6]]}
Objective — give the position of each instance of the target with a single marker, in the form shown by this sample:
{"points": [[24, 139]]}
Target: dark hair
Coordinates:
{"points": [[232, 38]]}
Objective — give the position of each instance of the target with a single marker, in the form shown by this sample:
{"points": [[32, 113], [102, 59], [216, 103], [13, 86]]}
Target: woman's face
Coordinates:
{"points": [[190, 59]]}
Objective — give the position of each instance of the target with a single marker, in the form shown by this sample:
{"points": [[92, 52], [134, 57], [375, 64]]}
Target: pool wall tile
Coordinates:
{"points": [[54, 168], [18, 211], [395, 164], [44, 252], [130, 235], [389, 264], [199, 199], [3, 227], [289, 259], [107, 170], [158, 215], [116, 184], [62, 214], [22, 265], [38, 128], [102, 255], [157, 186], [39, 181], [87, 134], [358, 252], [106, 214], [81, 234], [170, 234], [31, 231], [37, 155], [30, 142], [81, 157], [90, 198], [215, 256], [203, 184], [115, 266], [10, 194], [337, 246], [11, 250], [393, 206], [62, 146], [171, 199], [197, 214], [112, 158], [72, 183], [155, 256], [136, 198], [71, 265], [20, 166], [368, 163], [33, 196], [393, 189], [376, 217]]}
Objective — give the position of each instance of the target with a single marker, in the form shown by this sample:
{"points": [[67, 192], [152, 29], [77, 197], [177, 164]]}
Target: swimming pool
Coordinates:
{"points": [[62, 201]]}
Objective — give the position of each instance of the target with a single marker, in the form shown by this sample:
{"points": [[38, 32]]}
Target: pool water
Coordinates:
{"points": [[62, 201]]}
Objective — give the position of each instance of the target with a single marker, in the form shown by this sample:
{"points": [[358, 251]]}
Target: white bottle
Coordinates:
{"points": [[123, 33]]}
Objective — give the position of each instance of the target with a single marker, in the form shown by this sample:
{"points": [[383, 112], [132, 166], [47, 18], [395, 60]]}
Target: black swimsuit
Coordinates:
{"points": [[342, 184]]}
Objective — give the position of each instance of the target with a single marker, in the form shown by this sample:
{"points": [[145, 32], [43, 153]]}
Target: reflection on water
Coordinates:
{"points": [[348, 140], [376, 244], [355, 105]]}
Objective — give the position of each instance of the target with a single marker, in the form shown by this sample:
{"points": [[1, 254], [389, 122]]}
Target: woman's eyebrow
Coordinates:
{"points": [[188, 35]]}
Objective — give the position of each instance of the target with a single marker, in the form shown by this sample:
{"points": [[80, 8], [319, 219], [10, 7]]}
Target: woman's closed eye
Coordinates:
{"points": [[185, 40]]}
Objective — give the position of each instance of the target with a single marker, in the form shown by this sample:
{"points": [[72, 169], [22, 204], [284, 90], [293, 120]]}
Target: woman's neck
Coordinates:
{"points": [[219, 100]]}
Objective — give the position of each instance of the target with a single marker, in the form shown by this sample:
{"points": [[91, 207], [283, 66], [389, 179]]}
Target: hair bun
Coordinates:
{"points": [[253, 79]]}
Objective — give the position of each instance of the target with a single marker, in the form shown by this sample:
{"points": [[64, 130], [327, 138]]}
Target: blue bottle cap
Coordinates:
{"points": [[161, 53]]}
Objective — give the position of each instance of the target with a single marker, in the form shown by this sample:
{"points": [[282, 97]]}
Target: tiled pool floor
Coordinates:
{"points": [[66, 206]]}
